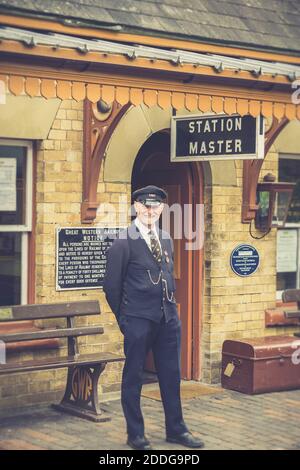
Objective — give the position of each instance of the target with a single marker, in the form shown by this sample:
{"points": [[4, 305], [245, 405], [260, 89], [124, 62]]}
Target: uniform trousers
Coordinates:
{"points": [[141, 335]]}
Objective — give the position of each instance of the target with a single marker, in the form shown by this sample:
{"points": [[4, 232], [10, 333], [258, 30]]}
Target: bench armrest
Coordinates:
{"points": [[292, 314]]}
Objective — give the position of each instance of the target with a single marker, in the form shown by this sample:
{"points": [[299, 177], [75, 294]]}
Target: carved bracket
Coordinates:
{"points": [[97, 129], [251, 171]]}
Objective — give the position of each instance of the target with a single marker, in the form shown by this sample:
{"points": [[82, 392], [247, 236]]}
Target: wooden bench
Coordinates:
{"points": [[84, 370], [292, 295]]}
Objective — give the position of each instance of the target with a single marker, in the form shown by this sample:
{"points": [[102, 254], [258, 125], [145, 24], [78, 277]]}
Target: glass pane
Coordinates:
{"points": [[262, 215], [286, 281], [264, 203], [289, 171], [281, 202], [10, 268], [12, 185]]}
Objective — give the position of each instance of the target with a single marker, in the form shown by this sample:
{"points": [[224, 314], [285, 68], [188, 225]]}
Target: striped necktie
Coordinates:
{"points": [[155, 246]]}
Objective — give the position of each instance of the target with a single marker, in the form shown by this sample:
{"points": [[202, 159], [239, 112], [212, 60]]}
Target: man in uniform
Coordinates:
{"points": [[139, 287]]}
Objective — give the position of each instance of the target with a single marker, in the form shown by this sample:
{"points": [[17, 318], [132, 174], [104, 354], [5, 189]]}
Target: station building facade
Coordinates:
{"points": [[83, 123]]}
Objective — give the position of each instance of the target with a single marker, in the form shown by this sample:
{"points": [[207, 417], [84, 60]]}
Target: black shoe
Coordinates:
{"points": [[186, 439], [139, 443]]}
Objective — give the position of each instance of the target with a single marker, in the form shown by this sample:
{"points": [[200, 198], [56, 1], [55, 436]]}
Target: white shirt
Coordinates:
{"points": [[145, 232]]}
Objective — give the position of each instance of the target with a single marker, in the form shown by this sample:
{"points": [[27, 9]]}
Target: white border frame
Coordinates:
{"points": [[259, 140], [24, 269], [291, 225], [27, 227]]}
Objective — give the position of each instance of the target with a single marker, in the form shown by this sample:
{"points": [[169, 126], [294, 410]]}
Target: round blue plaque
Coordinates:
{"points": [[244, 260]]}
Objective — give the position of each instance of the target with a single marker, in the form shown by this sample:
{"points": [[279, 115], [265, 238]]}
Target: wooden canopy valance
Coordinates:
{"points": [[164, 95], [123, 91]]}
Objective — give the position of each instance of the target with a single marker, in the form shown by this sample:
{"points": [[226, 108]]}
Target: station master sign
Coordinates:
{"points": [[216, 137]]}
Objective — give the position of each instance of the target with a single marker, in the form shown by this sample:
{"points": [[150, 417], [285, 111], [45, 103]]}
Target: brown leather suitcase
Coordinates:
{"points": [[258, 365]]}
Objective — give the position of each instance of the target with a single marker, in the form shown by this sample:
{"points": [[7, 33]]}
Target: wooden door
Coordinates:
{"points": [[176, 179]]}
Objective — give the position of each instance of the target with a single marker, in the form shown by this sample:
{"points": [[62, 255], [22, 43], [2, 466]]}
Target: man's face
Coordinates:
{"points": [[148, 215]]}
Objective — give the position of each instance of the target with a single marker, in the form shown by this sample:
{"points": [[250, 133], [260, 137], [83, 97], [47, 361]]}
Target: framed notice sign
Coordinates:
{"points": [[8, 184], [216, 137], [81, 256], [287, 244]]}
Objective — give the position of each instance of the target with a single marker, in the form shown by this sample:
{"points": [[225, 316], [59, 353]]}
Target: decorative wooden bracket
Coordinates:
{"points": [[251, 171], [97, 130]]}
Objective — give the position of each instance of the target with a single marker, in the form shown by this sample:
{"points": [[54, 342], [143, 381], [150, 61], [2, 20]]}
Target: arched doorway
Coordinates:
{"points": [[184, 185]]}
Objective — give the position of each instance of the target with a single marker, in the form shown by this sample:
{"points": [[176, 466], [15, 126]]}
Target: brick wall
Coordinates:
{"points": [[59, 195]]}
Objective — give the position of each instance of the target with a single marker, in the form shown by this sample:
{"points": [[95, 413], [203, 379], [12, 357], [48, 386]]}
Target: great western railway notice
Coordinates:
{"points": [[81, 256], [216, 137]]}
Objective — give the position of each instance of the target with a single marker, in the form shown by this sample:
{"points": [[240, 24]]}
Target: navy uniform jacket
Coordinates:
{"points": [[135, 284]]}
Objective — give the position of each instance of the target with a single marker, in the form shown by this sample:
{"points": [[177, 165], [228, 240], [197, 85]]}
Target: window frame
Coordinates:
{"points": [[291, 225], [26, 228]]}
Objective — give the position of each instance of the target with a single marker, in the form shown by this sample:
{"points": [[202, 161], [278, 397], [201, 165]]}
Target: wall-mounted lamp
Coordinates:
{"points": [[273, 199]]}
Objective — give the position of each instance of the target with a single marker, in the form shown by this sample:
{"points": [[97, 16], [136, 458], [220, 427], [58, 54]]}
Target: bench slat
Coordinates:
{"points": [[55, 333], [57, 310], [60, 362]]}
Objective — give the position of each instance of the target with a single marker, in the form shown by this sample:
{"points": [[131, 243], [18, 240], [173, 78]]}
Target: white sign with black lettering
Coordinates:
{"points": [[216, 137]]}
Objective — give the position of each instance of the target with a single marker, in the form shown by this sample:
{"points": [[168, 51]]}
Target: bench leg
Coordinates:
{"points": [[81, 395]]}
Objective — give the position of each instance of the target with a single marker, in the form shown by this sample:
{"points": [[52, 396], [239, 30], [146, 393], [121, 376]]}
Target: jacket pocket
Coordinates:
{"points": [[122, 322]]}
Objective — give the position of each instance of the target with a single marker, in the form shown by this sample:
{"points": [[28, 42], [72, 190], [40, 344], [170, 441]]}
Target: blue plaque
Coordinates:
{"points": [[244, 260]]}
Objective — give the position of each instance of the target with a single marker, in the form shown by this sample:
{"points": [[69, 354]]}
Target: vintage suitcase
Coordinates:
{"points": [[258, 365]]}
